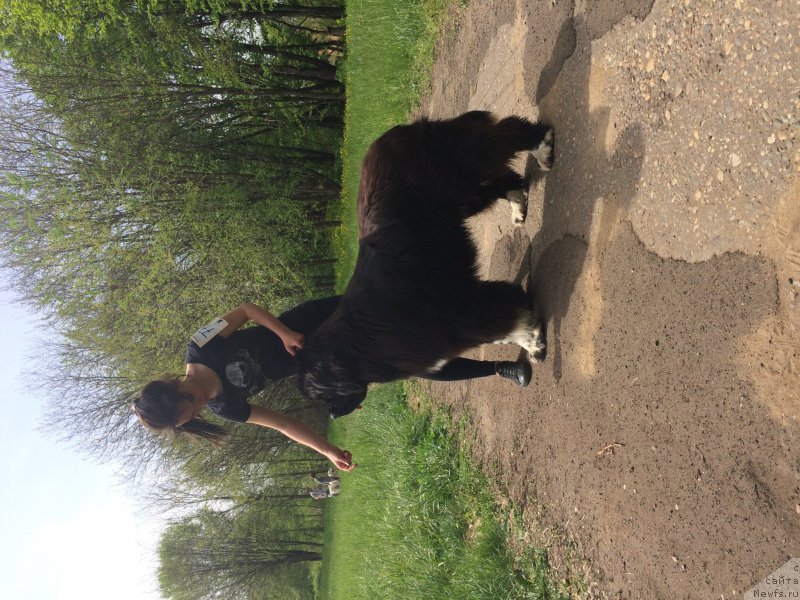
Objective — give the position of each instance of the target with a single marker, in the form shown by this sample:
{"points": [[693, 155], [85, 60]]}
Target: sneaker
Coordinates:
{"points": [[519, 372]]}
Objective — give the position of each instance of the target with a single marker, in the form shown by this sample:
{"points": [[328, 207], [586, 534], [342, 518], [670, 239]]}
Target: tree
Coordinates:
{"points": [[162, 161], [209, 555]]}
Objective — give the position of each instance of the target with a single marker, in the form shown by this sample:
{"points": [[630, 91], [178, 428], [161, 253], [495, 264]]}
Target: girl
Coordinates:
{"points": [[226, 364]]}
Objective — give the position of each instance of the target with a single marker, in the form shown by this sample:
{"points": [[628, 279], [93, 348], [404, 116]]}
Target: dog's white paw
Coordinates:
{"points": [[544, 153], [537, 347], [519, 206], [529, 335]]}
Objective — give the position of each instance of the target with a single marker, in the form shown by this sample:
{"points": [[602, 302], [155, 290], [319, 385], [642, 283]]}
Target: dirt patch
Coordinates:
{"points": [[657, 447]]}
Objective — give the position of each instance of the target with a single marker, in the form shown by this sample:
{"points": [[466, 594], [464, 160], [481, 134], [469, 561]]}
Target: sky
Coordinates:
{"points": [[69, 529]]}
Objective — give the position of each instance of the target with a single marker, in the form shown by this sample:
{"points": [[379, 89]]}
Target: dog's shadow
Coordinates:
{"points": [[587, 167]]}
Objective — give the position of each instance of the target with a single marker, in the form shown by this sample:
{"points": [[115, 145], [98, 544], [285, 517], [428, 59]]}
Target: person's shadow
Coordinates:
{"points": [[591, 163]]}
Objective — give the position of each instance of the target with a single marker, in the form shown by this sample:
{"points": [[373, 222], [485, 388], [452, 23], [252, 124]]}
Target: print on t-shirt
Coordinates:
{"points": [[243, 372]]}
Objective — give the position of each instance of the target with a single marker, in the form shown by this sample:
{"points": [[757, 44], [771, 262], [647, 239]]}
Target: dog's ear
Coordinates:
{"points": [[330, 385], [346, 400]]}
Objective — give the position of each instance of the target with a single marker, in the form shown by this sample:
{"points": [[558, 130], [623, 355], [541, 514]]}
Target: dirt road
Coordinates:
{"points": [[660, 439]]}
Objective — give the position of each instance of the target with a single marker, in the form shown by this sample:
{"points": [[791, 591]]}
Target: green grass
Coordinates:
{"points": [[387, 68], [416, 519]]}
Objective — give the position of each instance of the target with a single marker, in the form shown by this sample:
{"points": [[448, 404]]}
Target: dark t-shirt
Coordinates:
{"points": [[251, 358]]}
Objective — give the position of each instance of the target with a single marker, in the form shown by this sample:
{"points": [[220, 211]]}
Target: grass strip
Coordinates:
{"points": [[416, 519], [387, 68]]}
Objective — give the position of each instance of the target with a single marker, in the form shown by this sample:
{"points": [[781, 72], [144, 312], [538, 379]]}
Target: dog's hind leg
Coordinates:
{"points": [[501, 186], [478, 145], [514, 134], [513, 188], [508, 137], [518, 199], [467, 160], [543, 153]]}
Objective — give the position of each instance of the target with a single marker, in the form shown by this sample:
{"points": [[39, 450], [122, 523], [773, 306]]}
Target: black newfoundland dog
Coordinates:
{"points": [[415, 300]]}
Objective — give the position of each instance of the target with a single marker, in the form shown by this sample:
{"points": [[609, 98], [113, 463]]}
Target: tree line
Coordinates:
{"points": [[162, 161]]}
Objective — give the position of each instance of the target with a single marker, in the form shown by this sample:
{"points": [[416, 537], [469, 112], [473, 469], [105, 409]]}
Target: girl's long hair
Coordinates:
{"points": [[157, 408]]}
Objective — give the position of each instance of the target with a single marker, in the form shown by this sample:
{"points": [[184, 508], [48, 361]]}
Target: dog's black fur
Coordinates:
{"points": [[415, 299]]}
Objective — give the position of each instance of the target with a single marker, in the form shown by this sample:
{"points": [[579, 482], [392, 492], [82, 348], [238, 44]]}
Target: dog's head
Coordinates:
{"points": [[330, 377]]}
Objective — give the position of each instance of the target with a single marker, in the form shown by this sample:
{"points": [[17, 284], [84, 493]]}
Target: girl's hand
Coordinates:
{"points": [[292, 341], [342, 459]]}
